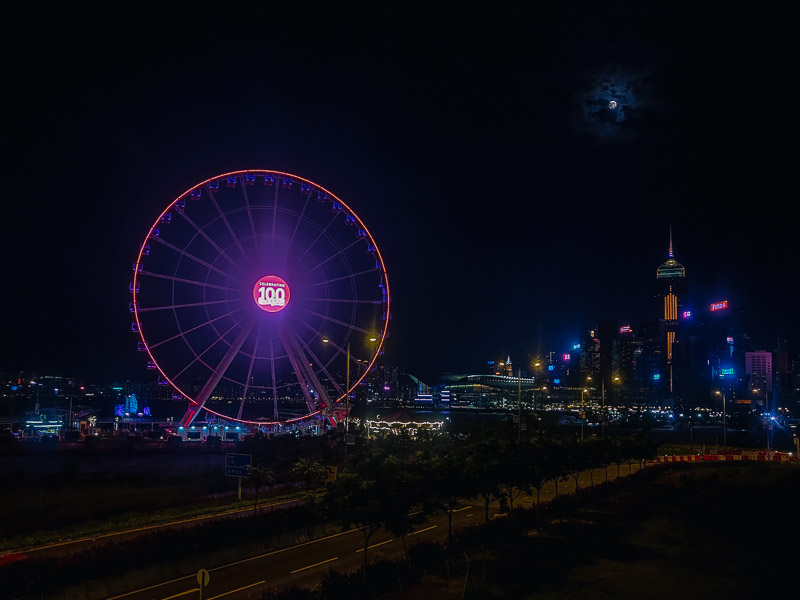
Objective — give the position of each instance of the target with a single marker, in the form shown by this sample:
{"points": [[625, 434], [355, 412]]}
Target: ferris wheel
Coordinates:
{"points": [[260, 297]]}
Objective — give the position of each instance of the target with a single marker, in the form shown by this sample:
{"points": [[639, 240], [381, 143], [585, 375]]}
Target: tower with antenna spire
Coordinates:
{"points": [[671, 275]]}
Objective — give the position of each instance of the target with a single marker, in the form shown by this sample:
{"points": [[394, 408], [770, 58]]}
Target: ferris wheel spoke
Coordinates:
{"points": [[189, 281], [322, 365], [312, 244], [249, 215], [227, 223], [196, 259], [174, 306], [199, 357], [297, 224], [249, 374], [274, 382], [274, 218], [346, 300], [305, 374], [216, 374], [182, 333], [332, 256], [350, 326], [339, 350], [207, 238], [350, 276]]}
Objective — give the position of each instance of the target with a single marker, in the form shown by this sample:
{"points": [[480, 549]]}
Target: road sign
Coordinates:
{"points": [[237, 465], [202, 578], [332, 472]]}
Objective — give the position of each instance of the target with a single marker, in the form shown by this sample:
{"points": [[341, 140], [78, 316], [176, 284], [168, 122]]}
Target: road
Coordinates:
{"points": [[304, 564], [75, 545]]}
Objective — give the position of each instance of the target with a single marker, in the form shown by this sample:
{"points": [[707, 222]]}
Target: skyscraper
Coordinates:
{"points": [[671, 276]]}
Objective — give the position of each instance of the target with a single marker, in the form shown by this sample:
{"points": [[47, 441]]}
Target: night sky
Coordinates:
{"points": [[513, 207]]}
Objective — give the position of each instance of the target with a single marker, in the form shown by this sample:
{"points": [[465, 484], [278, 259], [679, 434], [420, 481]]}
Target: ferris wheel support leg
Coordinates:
{"points": [[298, 360], [305, 374], [211, 383], [311, 376]]}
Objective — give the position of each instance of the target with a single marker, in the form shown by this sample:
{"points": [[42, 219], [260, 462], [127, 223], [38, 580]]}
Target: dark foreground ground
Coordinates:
{"points": [[726, 531]]}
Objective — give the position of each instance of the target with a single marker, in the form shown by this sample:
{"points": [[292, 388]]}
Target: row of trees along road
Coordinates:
{"points": [[396, 483]]}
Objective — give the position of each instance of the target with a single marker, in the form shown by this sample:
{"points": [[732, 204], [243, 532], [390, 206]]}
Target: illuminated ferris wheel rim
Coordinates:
{"points": [[187, 194]]}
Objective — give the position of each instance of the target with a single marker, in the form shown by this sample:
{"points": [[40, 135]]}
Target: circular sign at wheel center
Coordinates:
{"points": [[271, 293]]}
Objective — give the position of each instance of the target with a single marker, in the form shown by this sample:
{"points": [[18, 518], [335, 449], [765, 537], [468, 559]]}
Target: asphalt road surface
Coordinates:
{"points": [[304, 564], [74, 545]]}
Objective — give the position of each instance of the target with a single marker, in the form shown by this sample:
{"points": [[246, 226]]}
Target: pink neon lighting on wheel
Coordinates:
{"points": [[164, 218]]}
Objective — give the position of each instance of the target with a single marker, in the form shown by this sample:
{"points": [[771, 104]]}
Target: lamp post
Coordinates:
{"points": [[724, 422], [582, 413], [347, 402], [519, 403]]}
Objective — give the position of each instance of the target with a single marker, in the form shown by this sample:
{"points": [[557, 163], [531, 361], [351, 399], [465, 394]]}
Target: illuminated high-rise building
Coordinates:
{"points": [[671, 275]]}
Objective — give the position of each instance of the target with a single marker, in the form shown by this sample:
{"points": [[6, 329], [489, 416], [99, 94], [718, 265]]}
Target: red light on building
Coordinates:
{"points": [[719, 305]]}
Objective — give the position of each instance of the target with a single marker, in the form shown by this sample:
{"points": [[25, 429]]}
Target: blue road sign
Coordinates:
{"points": [[237, 465]]}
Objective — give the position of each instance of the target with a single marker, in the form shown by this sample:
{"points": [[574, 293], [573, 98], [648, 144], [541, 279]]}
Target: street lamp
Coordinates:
{"points": [[724, 421], [582, 413], [347, 402], [519, 404]]}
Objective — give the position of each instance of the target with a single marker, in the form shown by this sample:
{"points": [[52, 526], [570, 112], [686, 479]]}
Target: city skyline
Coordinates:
{"points": [[514, 206]]}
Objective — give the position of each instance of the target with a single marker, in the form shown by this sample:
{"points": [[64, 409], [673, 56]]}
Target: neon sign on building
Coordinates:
{"points": [[719, 305], [625, 329]]}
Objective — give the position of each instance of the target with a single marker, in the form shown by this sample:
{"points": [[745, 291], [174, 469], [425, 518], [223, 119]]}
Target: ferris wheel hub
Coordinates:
{"points": [[271, 293]]}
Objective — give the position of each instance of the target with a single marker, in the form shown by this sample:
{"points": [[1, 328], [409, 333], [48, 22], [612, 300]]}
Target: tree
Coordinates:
{"points": [[535, 456], [576, 461], [556, 465], [514, 475], [409, 498], [449, 484], [363, 497], [259, 476], [483, 469], [309, 471]]}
